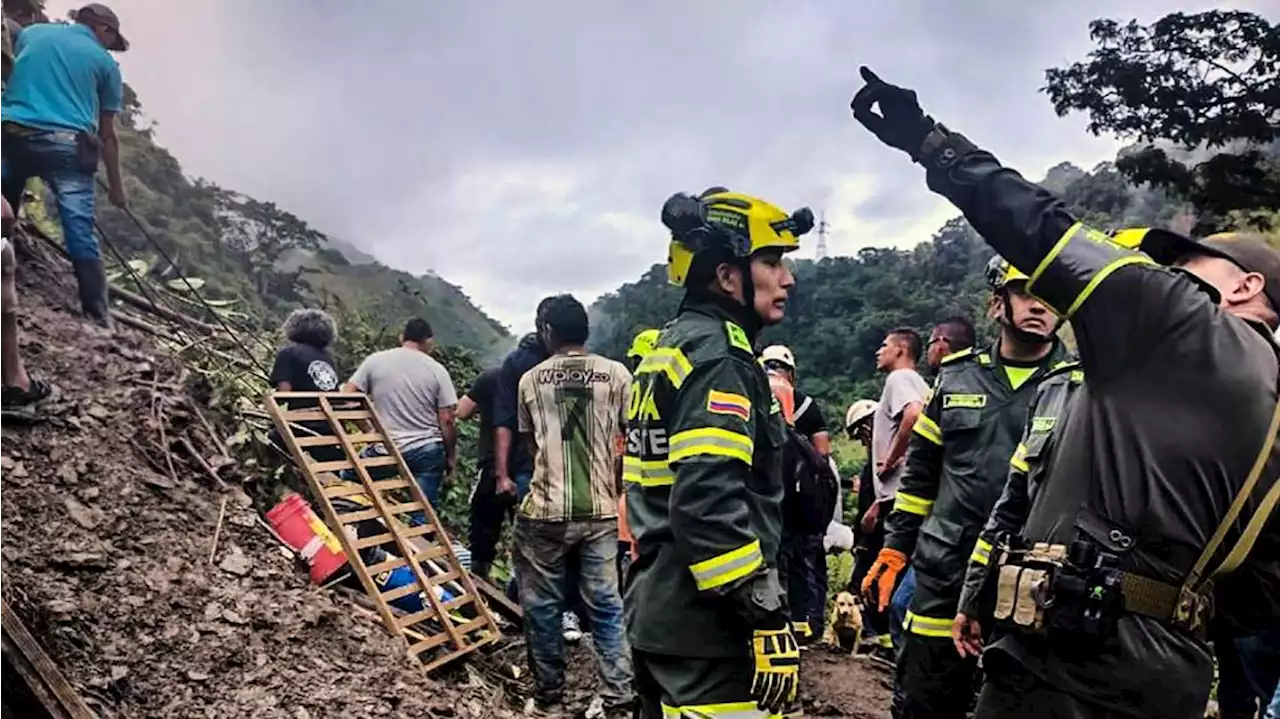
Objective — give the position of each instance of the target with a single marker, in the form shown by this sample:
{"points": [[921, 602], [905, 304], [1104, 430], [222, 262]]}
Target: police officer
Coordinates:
{"points": [[1027, 468], [705, 609], [957, 463], [1163, 465]]}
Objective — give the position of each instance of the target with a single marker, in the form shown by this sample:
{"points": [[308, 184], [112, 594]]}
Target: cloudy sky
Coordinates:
{"points": [[522, 148]]}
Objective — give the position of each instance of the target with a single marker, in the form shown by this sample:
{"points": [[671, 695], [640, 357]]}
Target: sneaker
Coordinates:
{"points": [[569, 626], [38, 391]]}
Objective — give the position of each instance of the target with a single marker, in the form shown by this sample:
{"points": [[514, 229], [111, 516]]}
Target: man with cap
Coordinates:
{"points": [[1152, 517], [59, 119]]}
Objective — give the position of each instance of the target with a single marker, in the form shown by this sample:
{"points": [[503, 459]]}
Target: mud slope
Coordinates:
{"points": [[107, 561]]}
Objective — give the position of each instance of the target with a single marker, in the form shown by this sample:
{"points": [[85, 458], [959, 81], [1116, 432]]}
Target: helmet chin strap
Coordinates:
{"points": [[1021, 335]]}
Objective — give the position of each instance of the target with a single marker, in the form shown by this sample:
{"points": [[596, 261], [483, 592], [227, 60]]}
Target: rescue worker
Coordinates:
{"points": [[1027, 469], [1161, 469], [641, 345], [803, 559], [706, 613], [956, 466]]}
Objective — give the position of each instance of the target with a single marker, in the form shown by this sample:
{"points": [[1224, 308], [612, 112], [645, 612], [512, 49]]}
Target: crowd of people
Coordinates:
{"points": [[1095, 527]]}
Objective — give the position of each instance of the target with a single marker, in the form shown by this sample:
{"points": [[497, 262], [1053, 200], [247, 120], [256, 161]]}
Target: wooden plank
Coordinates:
{"points": [[50, 680], [497, 600]]}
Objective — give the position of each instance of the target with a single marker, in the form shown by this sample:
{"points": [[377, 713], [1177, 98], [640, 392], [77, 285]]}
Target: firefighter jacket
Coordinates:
{"points": [[703, 473], [1170, 437], [957, 461], [1027, 468]]}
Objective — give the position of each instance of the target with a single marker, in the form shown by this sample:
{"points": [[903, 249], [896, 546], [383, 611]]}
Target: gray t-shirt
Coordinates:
{"points": [[408, 389], [901, 388]]}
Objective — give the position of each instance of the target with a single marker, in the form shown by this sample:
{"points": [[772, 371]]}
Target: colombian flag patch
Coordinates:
{"points": [[729, 403]]}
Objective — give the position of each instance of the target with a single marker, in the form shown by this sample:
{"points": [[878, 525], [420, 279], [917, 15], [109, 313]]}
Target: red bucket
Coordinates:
{"points": [[301, 529]]}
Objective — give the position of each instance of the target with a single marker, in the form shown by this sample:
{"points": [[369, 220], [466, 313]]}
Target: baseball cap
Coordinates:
{"points": [[97, 12], [1249, 252]]}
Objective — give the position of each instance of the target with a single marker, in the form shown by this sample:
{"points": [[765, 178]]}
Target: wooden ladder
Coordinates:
{"points": [[440, 631]]}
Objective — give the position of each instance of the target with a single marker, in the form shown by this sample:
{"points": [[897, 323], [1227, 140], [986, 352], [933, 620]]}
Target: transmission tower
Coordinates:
{"points": [[822, 236]]}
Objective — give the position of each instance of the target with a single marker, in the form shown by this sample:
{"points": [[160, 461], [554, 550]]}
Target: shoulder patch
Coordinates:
{"points": [[1043, 424], [738, 338], [729, 403]]}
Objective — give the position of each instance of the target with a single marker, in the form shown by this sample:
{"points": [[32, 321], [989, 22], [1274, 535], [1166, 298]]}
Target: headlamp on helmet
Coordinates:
{"points": [[1000, 273], [729, 223]]}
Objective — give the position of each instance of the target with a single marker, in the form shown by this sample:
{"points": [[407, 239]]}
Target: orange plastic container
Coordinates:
{"points": [[298, 526]]}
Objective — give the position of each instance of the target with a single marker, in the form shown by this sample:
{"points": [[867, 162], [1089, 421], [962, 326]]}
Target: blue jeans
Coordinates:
{"points": [[427, 464], [900, 603], [542, 549], [53, 157]]}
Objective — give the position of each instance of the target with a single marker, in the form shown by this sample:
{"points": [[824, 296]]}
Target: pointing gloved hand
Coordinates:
{"points": [[883, 575], [777, 674], [901, 123]]}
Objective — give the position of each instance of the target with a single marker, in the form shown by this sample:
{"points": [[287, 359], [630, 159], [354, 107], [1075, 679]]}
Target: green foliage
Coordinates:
{"points": [[1204, 82]]}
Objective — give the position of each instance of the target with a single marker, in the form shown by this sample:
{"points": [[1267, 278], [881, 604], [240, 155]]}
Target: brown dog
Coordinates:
{"points": [[844, 628]]}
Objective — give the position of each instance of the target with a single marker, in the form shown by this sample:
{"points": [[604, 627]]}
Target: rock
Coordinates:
{"points": [[19, 471], [212, 611], [80, 514], [97, 411], [196, 675], [233, 617], [67, 474], [61, 608], [89, 493], [119, 672], [6, 462], [242, 519], [158, 481], [301, 713], [240, 499], [81, 560], [236, 563]]}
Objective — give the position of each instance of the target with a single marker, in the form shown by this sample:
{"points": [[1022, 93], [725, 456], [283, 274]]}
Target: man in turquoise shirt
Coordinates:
{"points": [[58, 112]]}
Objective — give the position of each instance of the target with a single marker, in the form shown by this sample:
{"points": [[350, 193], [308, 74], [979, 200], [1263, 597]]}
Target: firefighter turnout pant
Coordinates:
{"points": [[936, 682], [695, 687]]}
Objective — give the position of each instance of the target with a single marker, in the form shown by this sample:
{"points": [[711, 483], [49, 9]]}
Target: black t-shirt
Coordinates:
{"points": [[808, 420], [483, 392], [306, 369]]}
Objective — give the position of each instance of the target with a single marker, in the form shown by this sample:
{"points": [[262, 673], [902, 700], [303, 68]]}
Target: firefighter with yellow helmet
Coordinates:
{"points": [[641, 345], [705, 610], [956, 466]]}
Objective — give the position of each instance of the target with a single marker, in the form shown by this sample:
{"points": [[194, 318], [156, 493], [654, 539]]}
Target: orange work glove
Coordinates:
{"points": [[884, 575]]}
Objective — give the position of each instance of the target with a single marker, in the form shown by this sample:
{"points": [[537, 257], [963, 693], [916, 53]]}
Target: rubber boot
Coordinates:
{"points": [[92, 277]]}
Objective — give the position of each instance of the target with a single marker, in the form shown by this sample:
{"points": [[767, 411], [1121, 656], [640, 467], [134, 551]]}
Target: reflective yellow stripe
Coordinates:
{"points": [[911, 504], [732, 565], [802, 628], [885, 640], [927, 428], [927, 626], [1019, 459], [729, 710], [981, 552], [669, 361], [710, 441], [1102, 275], [1079, 229], [647, 472]]}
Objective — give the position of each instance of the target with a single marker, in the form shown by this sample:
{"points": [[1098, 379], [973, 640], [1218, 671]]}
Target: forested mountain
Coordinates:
{"points": [[257, 260], [841, 307]]}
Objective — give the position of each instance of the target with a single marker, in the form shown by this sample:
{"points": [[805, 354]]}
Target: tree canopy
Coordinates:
{"points": [[1200, 92]]}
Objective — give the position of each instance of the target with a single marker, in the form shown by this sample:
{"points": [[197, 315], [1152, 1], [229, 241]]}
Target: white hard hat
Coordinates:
{"points": [[859, 411], [779, 353]]}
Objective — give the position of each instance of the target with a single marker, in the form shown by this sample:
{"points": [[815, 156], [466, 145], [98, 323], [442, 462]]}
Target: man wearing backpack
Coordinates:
{"points": [[956, 466], [812, 490]]}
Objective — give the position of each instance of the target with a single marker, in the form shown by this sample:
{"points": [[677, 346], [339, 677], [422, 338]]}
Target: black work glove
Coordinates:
{"points": [[901, 123], [758, 602]]}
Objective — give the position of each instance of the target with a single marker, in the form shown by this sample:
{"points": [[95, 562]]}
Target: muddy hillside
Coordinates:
{"points": [[110, 561]]}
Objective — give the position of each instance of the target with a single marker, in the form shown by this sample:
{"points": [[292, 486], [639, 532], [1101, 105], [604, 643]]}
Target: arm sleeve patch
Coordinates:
{"points": [[729, 403]]}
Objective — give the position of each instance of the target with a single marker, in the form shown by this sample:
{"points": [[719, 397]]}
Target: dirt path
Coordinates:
{"points": [[838, 685]]}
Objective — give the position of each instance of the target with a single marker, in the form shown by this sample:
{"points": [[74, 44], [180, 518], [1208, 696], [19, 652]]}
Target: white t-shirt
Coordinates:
{"points": [[901, 388]]}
